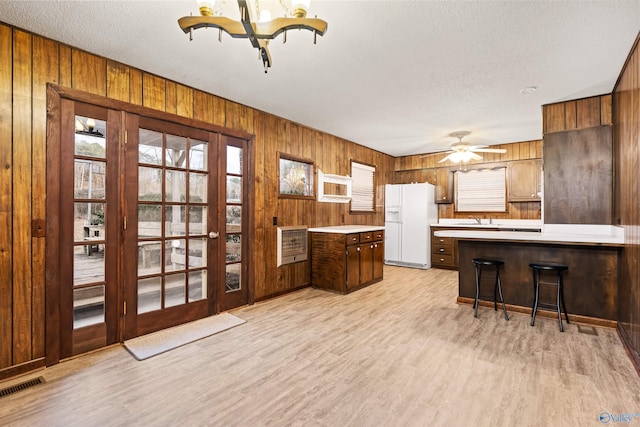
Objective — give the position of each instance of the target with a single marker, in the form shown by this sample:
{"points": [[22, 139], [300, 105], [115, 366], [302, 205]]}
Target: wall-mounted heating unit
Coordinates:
{"points": [[292, 244]]}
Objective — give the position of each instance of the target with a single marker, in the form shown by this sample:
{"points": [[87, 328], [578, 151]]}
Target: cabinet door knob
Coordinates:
{"points": [[441, 249], [358, 249], [371, 246], [441, 259]]}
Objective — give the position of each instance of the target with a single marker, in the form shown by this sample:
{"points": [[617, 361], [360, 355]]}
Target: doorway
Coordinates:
{"points": [[147, 221]]}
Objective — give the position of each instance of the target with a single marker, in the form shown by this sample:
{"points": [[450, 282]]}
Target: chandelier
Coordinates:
{"points": [[258, 31]]}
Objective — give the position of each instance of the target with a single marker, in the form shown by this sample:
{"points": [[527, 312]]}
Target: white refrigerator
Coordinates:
{"points": [[409, 209]]}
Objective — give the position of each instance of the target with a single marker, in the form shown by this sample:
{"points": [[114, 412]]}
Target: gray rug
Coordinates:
{"points": [[159, 342]]}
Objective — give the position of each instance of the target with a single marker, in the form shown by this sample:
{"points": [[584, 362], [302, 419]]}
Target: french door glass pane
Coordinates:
{"points": [[234, 160], [198, 187], [234, 217], [149, 257], [175, 289], [90, 137], [198, 155], [233, 281], [175, 151], [175, 220], [149, 184], [234, 189], [89, 221], [88, 264], [149, 220], [175, 186], [149, 294], [197, 285], [197, 253], [88, 179], [174, 254], [197, 220], [150, 147], [88, 306], [234, 248]]}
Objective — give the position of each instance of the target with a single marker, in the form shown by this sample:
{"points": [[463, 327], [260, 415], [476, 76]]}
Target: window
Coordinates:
{"points": [[363, 196], [481, 190], [296, 177]]}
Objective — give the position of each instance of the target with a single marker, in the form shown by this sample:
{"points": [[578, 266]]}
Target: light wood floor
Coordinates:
{"points": [[398, 353]]}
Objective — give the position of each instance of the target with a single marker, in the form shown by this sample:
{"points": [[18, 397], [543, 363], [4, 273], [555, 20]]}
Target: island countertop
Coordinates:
{"points": [[346, 229], [567, 234]]}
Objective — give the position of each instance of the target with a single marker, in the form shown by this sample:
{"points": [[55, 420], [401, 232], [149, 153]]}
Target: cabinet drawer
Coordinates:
{"points": [[378, 235], [446, 260], [441, 250], [353, 239], [366, 237], [441, 241]]}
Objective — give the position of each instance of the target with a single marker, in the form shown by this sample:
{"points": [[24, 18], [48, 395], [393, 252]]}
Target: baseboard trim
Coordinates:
{"points": [[21, 369], [626, 342], [281, 293], [576, 318]]}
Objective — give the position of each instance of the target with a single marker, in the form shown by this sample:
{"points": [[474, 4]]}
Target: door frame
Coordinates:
{"points": [[53, 282]]}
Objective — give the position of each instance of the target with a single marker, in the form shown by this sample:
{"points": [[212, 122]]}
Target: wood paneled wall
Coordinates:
{"points": [[422, 168], [577, 114], [27, 63], [626, 135]]}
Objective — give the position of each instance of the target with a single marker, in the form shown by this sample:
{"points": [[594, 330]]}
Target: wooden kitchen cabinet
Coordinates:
{"points": [[444, 186], [524, 180], [346, 262], [443, 251]]}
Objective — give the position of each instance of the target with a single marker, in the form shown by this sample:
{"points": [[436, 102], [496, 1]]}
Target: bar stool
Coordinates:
{"points": [[497, 289], [559, 270]]}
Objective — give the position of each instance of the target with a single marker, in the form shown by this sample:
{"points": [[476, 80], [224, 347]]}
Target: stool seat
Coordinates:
{"points": [[497, 289], [559, 269], [547, 266], [487, 261]]}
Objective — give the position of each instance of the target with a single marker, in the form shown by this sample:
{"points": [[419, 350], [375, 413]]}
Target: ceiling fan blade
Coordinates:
{"points": [[445, 159], [474, 156], [490, 150], [431, 154]]}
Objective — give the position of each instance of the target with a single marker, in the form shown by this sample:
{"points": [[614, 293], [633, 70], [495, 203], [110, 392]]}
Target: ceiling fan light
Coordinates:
{"points": [[456, 157]]}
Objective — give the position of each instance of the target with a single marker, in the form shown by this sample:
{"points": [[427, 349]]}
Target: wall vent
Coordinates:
{"points": [[292, 244], [21, 386]]}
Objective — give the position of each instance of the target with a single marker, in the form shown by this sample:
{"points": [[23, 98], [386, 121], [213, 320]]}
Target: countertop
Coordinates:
{"points": [[505, 224], [554, 233], [347, 229]]}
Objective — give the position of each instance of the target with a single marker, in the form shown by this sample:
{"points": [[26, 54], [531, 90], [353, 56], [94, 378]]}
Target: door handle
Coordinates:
{"points": [[213, 234]]}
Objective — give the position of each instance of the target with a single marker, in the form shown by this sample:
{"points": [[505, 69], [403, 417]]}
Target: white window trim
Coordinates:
{"points": [[362, 187]]}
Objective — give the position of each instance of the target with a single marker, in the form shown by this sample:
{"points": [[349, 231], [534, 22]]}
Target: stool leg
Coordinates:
{"points": [[559, 300], [535, 300], [564, 307], [475, 304], [495, 290], [504, 308]]}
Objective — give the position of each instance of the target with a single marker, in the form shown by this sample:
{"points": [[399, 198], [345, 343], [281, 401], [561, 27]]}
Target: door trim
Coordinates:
{"points": [[55, 95]]}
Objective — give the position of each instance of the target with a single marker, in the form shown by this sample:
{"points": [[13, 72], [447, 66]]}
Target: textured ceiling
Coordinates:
{"points": [[396, 76]]}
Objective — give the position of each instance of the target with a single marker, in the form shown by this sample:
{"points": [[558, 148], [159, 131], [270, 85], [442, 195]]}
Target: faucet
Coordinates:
{"points": [[478, 220]]}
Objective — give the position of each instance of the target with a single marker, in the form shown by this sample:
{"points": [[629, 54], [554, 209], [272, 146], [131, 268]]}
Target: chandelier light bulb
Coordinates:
{"points": [[300, 8], [265, 16], [206, 7]]}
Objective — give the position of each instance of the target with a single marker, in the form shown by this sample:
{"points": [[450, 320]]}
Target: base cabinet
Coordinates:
{"points": [[346, 262], [444, 250]]}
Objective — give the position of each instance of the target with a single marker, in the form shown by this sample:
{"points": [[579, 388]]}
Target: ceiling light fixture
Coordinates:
{"points": [[258, 30]]}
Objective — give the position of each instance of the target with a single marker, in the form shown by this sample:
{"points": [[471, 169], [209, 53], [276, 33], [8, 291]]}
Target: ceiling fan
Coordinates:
{"points": [[463, 152]]}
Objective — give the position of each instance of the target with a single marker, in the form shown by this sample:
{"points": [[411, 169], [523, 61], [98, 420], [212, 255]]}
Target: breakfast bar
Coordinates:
{"points": [[591, 253]]}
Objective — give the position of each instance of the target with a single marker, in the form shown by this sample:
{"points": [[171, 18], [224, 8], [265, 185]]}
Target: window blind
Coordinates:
{"points": [[362, 187], [481, 190]]}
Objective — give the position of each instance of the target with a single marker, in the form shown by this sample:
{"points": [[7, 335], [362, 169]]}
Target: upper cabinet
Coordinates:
{"points": [[444, 186], [524, 180]]}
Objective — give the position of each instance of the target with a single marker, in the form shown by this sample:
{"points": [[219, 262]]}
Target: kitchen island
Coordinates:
{"points": [[346, 258], [590, 252]]}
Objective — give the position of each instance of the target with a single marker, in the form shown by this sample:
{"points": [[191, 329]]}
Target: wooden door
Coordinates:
{"points": [[233, 223], [171, 251], [88, 227]]}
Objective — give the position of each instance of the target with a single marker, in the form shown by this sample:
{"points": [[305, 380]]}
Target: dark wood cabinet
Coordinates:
{"points": [[444, 186], [524, 183], [443, 251], [346, 262]]}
